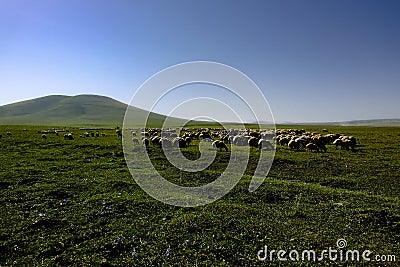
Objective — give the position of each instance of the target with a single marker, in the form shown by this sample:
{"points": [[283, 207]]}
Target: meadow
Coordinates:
{"points": [[74, 203]]}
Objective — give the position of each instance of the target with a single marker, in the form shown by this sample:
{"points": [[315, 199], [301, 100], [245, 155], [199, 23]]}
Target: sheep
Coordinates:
{"points": [[320, 142], [253, 142], [302, 141], [353, 141], [283, 141], [254, 134], [240, 140], [165, 142], [97, 134], [347, 144], [44, 136], [188, 140], [312, 146], [293, 144], [135, 141], [265, 145], [118, 132], [145, 141], [344, 143], [9, 133], [91, 134], [69, 136], [155, 140], [226, 139], [219, 144], [205, 135], [179, 142], [86, 134], [103, 134]]}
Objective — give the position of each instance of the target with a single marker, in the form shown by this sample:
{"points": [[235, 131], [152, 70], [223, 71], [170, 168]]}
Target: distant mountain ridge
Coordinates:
{"points": [[373, 122], [61, 110], [96, 110]]}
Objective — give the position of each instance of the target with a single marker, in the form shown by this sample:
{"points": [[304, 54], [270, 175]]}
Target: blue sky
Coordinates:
{"points": [[313, 60]]}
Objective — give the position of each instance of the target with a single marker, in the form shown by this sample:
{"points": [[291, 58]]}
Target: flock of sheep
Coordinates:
{"points": [[297, 139], [294, 139]]}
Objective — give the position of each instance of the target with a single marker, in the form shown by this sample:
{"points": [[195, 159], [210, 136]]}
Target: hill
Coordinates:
{"points": [[371, 123], [80, 110]]}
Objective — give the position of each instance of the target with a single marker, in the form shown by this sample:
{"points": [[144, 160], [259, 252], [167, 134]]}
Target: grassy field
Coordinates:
{"points": [[74, 203]]}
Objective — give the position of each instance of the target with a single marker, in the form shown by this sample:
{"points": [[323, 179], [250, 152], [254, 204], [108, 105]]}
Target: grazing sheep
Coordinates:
{"points": [[240, 140], [86, 134], [92, 134], [9, 133], [155, 140], [302, 142], [145, 141], [353, 141], [135, 141], [97, 134], [165, 143], [118, 132], [283, 141], [103, 134], [44, 136], [69, 136], [226, 139], [188, 140], [294, 144], [347, 144], [205, 135], [179, 142], [265, 145], [219, 144], [255, 134], [344, 143], [253, 142], [312, 147]]}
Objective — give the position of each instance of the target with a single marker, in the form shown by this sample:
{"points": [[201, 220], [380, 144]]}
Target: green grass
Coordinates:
{"points": [[74, 203]]}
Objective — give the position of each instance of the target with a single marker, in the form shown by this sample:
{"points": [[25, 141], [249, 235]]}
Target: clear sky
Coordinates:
{"points": [[313, 60]]}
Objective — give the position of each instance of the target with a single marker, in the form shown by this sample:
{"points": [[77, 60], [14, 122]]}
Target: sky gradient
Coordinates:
{"points": [[313, 60]]}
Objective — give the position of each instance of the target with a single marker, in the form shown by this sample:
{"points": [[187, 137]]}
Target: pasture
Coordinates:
{"points": [[74, 203]]}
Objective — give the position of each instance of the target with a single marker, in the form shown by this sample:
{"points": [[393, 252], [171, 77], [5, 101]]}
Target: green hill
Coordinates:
{"points": [[80, 110]]}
